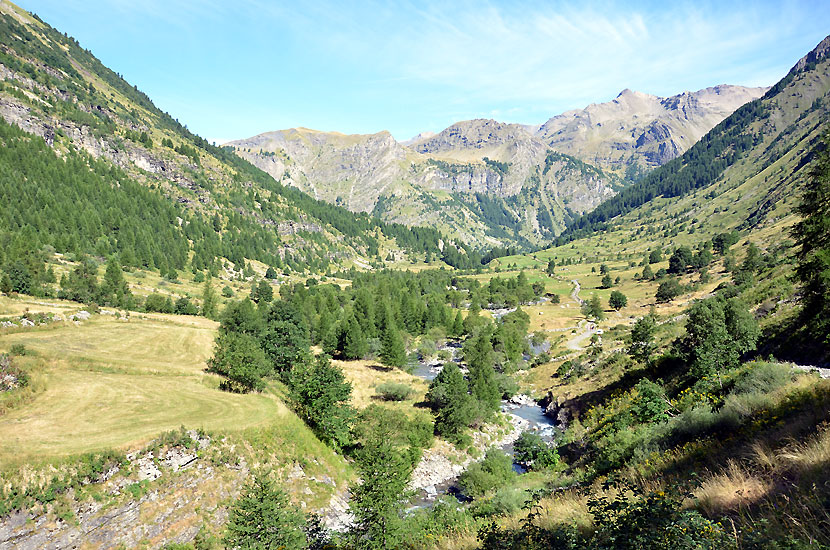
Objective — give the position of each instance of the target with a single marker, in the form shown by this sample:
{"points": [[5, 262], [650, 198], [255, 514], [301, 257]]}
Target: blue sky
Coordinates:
{"points": [[233, 69]]}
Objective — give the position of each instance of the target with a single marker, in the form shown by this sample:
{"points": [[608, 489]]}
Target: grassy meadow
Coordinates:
{"points": [[108, 383]]}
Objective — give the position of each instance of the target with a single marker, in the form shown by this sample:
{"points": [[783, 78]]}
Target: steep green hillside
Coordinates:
{"points": [[743, 172], [117, 175]]}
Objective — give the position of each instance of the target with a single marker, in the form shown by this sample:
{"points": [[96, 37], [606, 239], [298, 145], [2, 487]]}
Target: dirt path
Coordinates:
{"points": [[588, 329], [585, 329], [575, 293]]}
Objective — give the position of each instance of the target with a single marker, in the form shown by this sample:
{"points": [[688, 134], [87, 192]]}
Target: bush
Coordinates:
{"points": [[18, 350], [495, 471], [763, 378], [695, 420], [11, 377], [158, 303], [394, 391], [533, 453], [504, 501]]}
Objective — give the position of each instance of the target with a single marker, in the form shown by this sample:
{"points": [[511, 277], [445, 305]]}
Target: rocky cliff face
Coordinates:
{"points": [[638, 131], [350, 170]]}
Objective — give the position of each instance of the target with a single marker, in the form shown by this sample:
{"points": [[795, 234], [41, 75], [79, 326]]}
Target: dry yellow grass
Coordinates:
{"points": [[730, 490], [114, 384], [365, 376]]}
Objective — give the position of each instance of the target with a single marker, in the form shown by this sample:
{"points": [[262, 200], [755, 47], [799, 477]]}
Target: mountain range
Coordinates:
{"points": [[493, 183]]}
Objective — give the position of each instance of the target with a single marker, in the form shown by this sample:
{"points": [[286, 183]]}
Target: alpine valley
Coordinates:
{"points": [[608, 331]]}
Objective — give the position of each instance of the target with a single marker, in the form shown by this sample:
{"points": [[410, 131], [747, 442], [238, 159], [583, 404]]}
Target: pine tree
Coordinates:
{"points": [[208, 299], [458, 325], [392, 351], [353, 342], [813, 236], [377, 502], [263, 517], [449, 395]]}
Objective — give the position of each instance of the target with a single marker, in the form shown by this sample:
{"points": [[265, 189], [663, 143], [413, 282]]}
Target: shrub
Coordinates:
{"points": [[763, 378], [533, 453], [18, 350], [11, 377], [504, 501], [394, 391], [651, 403], [491, 473]]}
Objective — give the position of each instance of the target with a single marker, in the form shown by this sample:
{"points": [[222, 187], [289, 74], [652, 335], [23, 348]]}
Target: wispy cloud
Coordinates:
{"points": [[239, 68]]}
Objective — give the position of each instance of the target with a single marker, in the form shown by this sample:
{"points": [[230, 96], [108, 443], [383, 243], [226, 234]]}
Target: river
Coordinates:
{"points": [[532, 415]]}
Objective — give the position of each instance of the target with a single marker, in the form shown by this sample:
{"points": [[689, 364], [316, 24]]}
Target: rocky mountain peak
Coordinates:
{"points": [[817, 54]]}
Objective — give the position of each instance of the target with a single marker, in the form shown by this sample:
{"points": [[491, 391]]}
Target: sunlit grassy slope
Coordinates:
{"points": [[109, 383]]}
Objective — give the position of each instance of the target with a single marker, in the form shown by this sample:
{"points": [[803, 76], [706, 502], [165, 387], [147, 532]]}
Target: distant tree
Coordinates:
{"points": [[647, 273], [6, 284], [185, 307], [593, 308], [159, 303], [264, 518], [551, 269], [227, 292], [285, 344], [270, 273], [457, 325], [352, 342], [655, 257], [641, 346], [208, 299], [813, 238], [680, 260], [723, 241], [81, 284], [262, 292], [114, 289], [668, 290], [717, 334], [607, 282], [20, 278], [617, 300], [603, 269], [392, 351], [243, 318], [449, 395]]}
